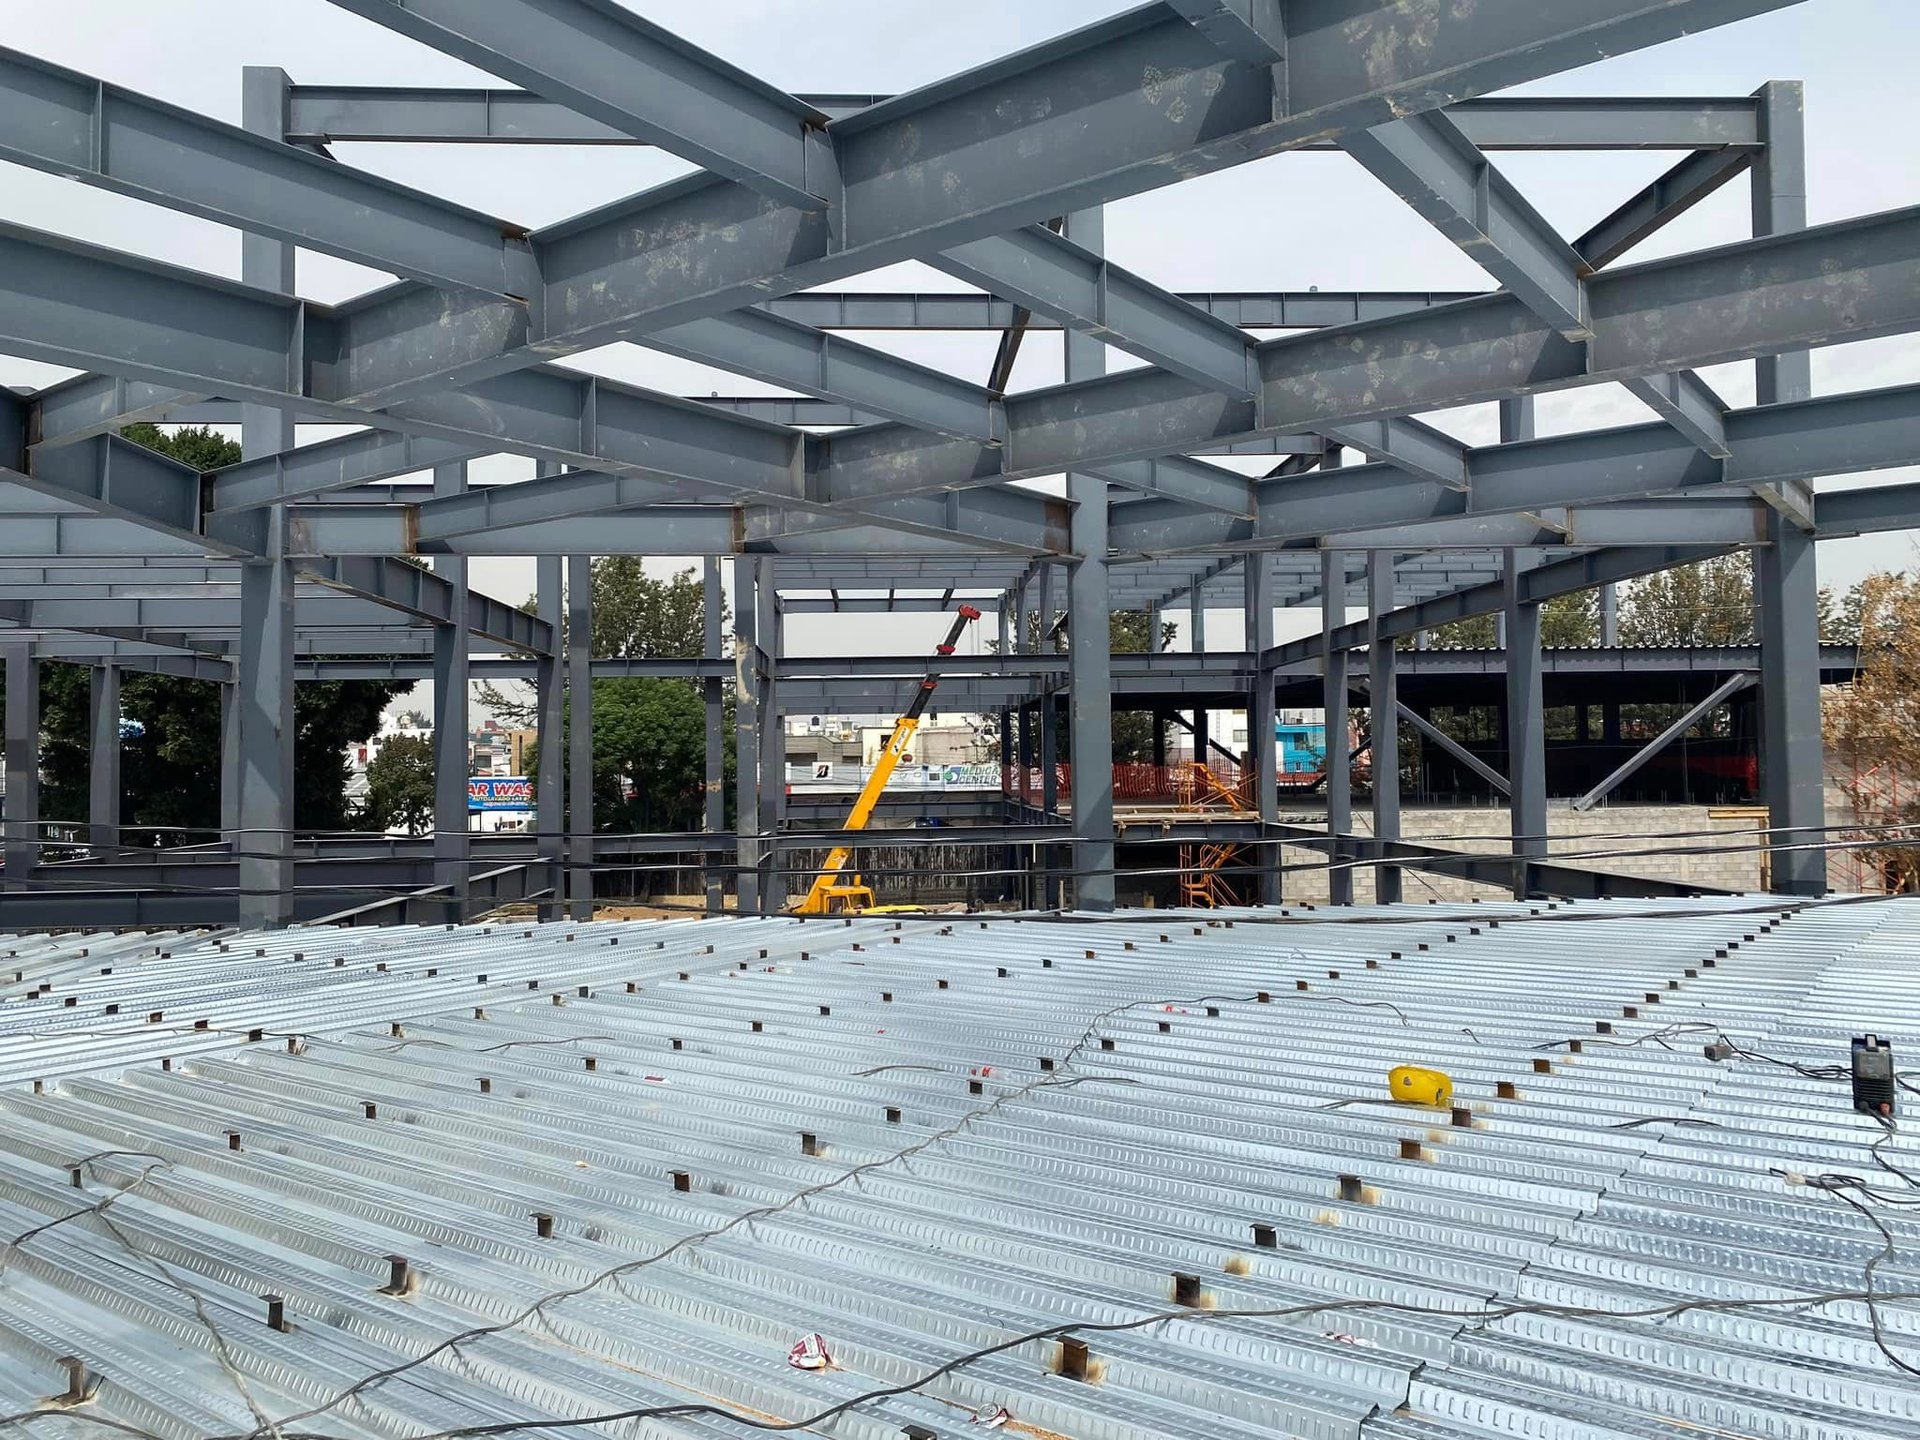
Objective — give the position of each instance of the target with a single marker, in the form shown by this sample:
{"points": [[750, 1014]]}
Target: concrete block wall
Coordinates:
{"points": [[1625, 840]]}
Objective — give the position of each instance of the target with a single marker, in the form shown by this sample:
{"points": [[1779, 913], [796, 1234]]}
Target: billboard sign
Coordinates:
{"points": [[499, 792]]}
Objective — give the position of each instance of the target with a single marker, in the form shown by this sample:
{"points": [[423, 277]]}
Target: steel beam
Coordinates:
{"points": [[1766, 445], [325, 114], [69, 124], [1430, 163], [1665, 199], [414, 591], [1723, 692], [1495, 780], [1011, 155], [311, 470], [610, 65]]}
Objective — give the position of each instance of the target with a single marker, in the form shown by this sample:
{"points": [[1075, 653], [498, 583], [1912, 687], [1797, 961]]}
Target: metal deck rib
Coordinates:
{"points": [[1078, 1199]]}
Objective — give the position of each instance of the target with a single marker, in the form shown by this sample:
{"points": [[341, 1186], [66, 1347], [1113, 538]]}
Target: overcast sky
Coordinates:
{"points": [[1289, 222]]}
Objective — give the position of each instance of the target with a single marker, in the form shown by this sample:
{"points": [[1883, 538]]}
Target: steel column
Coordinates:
{"points": [[580, 736], [230, 762], [1383, 718], [452, 832], [746, 739], [1090, 634], [264, 694], [1339, 757], [772, 736], [1787, 594], [1786, 585], [23, 766], [715, 817], [1609, 616], [1263, 750], [103, 759], [1525, 728], [550, 724]]}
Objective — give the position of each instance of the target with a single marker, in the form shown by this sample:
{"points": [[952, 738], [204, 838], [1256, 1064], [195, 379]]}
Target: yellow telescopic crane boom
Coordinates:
{"points": [[829, 893]]}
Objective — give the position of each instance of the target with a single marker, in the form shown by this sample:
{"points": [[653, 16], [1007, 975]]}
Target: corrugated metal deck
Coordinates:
{"points": [[1088, 1109]]}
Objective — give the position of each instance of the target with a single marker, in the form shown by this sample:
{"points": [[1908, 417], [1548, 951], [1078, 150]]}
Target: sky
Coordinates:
{"points": [[1293, 221]]}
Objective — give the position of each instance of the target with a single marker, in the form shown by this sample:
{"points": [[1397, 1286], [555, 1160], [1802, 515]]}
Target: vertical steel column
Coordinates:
{"points": [[1787, 589], [1197, 644], [452, 827], [1263, 749], [1525, 716], [1609, 616], [1333, 699], [1383, 715], [230, 761], [1090, 634], [1049, 749], [580, 735], [768, 628], [746, 740], [712, 647], [550, 723], [103, 760], [1786, 586], [265, 728], [1525, 729], [1780, 205], [23, 765]]}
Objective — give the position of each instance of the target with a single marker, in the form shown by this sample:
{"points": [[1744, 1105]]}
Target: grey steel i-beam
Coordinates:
{"points": [[1723, 692], [1089, 637], [1495, 780]]}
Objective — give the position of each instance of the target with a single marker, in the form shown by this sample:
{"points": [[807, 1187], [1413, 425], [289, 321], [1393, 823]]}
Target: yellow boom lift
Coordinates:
{"points": [[831, 895]]}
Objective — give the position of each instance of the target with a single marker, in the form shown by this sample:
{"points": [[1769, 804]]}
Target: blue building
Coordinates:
{"points": [[1302, 746]]}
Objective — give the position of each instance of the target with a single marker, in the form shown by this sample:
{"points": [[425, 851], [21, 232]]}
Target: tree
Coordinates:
{"points": [[170, 773], [1707, 603], [649, 735], [400, 785], [1565, 621], [1873, 725]]}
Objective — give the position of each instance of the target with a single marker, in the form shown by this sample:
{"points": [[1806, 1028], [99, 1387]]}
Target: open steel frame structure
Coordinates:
{"points": [[883, 484]]}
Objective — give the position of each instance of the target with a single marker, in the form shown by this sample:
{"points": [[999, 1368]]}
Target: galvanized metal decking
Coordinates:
{"points": [[1093, 1108]]}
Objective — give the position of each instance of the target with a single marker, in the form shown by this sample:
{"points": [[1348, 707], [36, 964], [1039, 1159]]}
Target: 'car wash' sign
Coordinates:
{"points": [[499, 792]]}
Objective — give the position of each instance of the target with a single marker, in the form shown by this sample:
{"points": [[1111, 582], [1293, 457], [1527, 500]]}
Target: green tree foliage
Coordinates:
{"points": [[1708, 603], [1565, 621], [649, 736], [170, 774], [400, 785]]}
